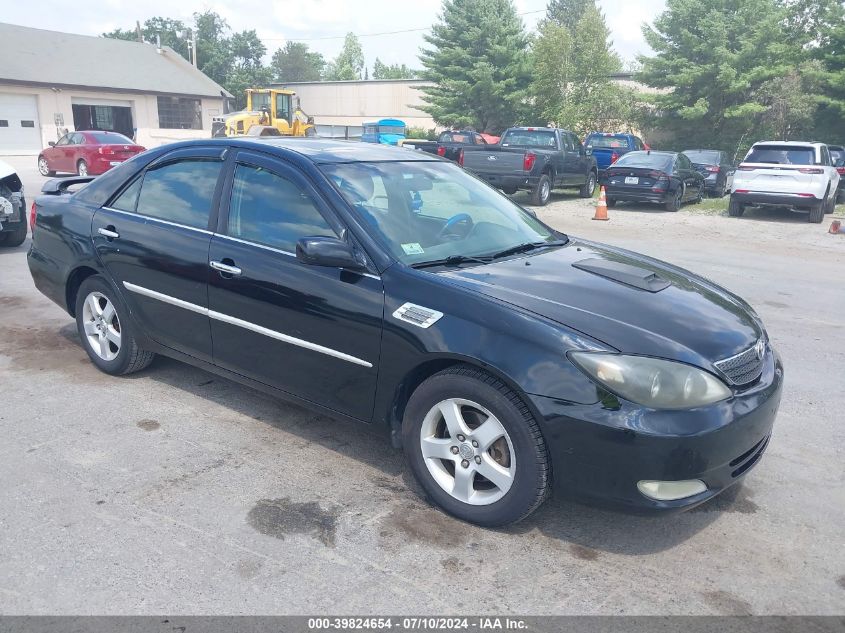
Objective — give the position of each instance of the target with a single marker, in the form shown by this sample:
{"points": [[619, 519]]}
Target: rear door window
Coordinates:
{"points": [[180, 192]]}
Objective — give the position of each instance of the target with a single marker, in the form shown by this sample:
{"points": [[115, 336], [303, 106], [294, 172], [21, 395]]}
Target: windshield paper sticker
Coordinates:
{"points": [[412, 248]]}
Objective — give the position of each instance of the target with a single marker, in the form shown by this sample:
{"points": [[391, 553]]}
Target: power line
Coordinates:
{"points": [[340, 37]]}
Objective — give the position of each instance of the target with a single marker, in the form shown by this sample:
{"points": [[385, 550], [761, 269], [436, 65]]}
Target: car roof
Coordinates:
{"points": [[651, 151], [341, 151], [789, 143]]}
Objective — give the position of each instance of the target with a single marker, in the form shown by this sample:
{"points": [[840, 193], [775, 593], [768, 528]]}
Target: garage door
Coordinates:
{"points": [[19, 129]]}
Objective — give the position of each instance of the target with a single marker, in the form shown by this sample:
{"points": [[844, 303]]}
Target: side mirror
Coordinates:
{"points": [[52, 143], [327, 251]]}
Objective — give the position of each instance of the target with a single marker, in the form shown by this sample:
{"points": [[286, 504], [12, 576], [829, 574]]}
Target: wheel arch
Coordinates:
{"points": [[414, 377], [73, 283]]}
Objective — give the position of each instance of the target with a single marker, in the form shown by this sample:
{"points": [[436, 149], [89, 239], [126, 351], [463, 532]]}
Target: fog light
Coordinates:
{"points": [[671, 490]]}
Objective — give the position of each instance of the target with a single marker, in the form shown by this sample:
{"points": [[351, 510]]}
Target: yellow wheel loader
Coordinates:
{"points": [[266, 107]]}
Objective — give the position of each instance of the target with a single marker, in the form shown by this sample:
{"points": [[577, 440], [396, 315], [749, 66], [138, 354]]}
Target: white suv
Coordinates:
{"points": [[786, 173]]}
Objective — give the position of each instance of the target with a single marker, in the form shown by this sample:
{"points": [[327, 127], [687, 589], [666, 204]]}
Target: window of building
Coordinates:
{"points": [[4, 123], [180, 192], [180, 113], [27, 123], [269, 209]]}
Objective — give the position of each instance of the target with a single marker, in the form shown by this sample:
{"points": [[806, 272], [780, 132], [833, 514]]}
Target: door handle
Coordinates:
{"points": [[225, 268], [108, 232]]}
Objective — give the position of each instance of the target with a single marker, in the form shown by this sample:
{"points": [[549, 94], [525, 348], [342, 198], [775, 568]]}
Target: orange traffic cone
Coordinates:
{"points": [[601, 207]]}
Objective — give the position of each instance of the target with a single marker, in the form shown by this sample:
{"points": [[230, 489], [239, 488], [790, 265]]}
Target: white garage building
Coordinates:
{"points": [[52, 83]]}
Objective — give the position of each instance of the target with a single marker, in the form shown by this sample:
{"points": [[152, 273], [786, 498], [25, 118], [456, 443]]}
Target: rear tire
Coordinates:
{"points": [[105, 330], [511, 448], [82, 168], [735, 208], [817, 212], [18, 236], [588, 188], [610, 202], [509, 190], [674, 203], [830, 205], [542, 192]]}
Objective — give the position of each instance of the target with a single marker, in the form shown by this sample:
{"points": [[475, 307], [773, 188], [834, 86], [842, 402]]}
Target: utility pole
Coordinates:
{"points": [[191, 36], [138, 35]]}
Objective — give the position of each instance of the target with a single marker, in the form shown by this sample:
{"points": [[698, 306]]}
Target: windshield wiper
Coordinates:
{"points": [[452, 260], [524, 248]]}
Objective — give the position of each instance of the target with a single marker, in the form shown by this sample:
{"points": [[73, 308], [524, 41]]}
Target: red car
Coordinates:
{"points": [[92, 152]]}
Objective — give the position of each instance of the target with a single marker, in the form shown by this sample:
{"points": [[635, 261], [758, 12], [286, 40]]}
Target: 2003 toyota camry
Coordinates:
{"points": [[392, 288]]}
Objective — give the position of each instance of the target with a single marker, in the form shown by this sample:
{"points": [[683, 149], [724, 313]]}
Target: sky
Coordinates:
{"points": [[320, 23]]}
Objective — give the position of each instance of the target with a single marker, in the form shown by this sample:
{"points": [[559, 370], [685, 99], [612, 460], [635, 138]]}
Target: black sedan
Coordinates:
{"points": [[666, 178], [393, 289], [716, 167]]}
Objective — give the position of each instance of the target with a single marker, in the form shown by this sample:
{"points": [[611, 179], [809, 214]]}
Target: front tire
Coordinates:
{"points": [[106, 333], [542, 192], [475, 448], [588, 188], [44, 167]]}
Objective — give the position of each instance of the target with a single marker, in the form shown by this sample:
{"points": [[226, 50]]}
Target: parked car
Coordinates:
{"points": [[786, 173], [666, 178], [716, 167], [384, 132], [608, 147], [450, 143], [12, 207], [535, 159], [503, 356], [87, 152], [837, 155]]}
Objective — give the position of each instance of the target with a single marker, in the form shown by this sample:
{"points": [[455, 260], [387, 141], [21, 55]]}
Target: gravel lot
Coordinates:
{"points": [[175, 491]]}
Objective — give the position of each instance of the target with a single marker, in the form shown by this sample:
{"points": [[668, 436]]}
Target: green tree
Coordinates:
{"points": [[349, 64], [790, 103], [392, 71], [572, 68], [295, 62], [170, 32], [477, 59], [830, 52], [568, 13], [711, 59]]}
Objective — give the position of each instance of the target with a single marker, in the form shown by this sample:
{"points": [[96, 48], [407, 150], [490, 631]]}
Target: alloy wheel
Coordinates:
{"points": [[102, 327], [82, 168], [467, 451], [43, 166]]}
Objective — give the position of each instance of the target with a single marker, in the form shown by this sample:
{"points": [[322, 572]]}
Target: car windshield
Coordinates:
{"points": [[646, 160], [703, 156], [607, 141], [781, 155], [429, 211], [528, 138], [110, 138]]}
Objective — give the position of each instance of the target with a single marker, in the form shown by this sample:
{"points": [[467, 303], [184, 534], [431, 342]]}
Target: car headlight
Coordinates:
{"points": [[652, 382]]}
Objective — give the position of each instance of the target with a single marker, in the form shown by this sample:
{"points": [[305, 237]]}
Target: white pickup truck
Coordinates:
{"points": [[12, 207]]}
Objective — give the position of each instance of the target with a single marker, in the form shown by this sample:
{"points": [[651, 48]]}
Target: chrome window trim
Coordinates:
{"points": [[280, 251], [253, 327], [154, 219]]}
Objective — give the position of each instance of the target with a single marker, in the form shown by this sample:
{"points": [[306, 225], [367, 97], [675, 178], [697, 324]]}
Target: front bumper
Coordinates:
{"points": [[758, 198], [599, 452]]}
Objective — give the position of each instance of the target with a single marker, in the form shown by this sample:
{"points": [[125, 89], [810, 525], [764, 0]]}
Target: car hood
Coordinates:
{"points": [[680, 317], [6, 169]]}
